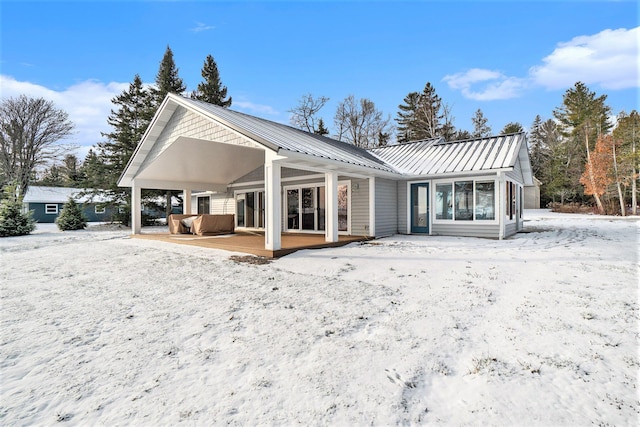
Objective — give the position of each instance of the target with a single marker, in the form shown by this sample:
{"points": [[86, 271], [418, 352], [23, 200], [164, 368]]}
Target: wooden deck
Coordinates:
{"points": [[252, 243]]}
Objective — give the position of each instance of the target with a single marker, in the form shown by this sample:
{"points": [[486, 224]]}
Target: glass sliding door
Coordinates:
{"points": [[308, 209], [203, 205], [343, 208], [321, 208], [240, 210]]}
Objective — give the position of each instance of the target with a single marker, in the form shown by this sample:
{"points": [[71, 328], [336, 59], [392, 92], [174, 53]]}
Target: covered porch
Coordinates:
{"points": [[253, 242]]}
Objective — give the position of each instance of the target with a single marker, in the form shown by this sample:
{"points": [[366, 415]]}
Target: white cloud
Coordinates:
{"points": [[201, 27], [609, 58], [485, 85], [88, 104]]}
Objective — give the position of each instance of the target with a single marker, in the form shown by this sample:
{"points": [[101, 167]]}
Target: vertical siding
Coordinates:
{"points": [[360, 207], [386, 207], [403, 205]]}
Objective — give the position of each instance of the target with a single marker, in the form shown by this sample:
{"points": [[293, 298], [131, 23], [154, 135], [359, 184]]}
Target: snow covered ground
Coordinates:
{"points": [[539, 329]]}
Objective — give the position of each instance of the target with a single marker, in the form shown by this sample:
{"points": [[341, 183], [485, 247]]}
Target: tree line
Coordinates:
{"points": [[578, 154]]}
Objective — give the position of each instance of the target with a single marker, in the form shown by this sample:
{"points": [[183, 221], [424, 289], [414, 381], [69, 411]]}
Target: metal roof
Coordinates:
{"points": [[39, 194], [279, 136], [436, 156]]}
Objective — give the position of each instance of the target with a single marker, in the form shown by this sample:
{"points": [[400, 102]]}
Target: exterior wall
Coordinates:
{"points": [[403, 205], [460, 228], [360, 207], [257, 175], [532, 197], [386, 207], [40, 215]]}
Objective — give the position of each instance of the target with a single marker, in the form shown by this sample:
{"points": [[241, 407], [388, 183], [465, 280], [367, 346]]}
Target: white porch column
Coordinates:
{"points": [[186, 201], [273, 212], [372, 207], [331, 188], [502, 204], [136, 209]]}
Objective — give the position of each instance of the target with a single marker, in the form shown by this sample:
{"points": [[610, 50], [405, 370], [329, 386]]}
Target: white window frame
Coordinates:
{"points": [[48, 206], [507, 219], [452, 181], [235, 206], [99, 210]]}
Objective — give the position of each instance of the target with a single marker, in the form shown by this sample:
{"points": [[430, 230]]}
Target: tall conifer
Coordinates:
{"points": [[211, 89]]}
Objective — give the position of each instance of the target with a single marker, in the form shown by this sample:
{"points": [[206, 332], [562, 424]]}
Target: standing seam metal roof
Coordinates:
{"points": [[435, 156], [279, 136]]}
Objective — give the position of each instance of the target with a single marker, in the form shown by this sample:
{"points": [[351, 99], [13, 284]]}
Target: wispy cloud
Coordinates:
{"points": [[254, 108], [608, 59], [485, 85], [201, 27], [88, 104]]}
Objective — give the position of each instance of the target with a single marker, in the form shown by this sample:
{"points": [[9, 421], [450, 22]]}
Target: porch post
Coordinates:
{"points": [[331, 186], [136, 207], [502, 206], [272, 171], [372, 207], [186, 201]]}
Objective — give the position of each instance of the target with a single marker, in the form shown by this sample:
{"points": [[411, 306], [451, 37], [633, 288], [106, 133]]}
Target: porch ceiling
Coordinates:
{"points": [[189, 160]]}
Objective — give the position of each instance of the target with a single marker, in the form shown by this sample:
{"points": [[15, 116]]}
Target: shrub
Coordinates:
{"points": [[71, 217], [13, 221]]}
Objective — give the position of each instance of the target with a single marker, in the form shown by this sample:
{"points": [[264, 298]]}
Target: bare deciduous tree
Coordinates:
{"points": [[360, 123], [30, 134], [303, 115]]}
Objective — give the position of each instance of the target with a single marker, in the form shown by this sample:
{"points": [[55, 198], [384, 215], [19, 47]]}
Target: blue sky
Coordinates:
{"points": [[512, 59]]}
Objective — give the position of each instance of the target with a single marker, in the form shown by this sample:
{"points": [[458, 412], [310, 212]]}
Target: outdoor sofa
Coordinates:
{"points": [[201, 224]]}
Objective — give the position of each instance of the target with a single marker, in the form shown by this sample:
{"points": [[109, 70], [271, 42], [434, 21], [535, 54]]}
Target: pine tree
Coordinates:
{"points": [[423, 116], [129, 121], [627, 132], [582, 117], [167, 79], [407, 117], [511, 127], [536, 147], [211, 89], [321, 129], [13, 221], [480, 127], [71, 217]]}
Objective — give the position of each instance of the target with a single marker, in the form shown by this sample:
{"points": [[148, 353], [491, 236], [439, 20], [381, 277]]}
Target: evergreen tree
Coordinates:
{"points": [[133, 113], [211, 89], [423, 116], [71, 217], [480, 127], [581, 118], [321, 129], [167, 79], [13, 221], [536, 147], [511, 127], [627, 132]]}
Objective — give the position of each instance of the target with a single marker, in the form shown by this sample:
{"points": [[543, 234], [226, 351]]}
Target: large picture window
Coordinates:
{"points": [[466, 201]]}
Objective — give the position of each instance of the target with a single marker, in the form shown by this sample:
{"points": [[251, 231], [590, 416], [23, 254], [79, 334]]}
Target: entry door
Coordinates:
{"points": [[420, 208]]}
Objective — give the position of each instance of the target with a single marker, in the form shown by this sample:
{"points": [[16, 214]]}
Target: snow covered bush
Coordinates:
{"points": [[13, 221], [71, 217]]}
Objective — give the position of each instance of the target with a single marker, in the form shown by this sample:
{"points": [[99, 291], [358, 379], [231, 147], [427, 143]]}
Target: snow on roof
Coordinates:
{"points": [[37, 194], [436, 156]]}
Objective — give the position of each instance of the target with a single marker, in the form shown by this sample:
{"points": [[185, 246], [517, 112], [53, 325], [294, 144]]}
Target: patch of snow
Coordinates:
{"points": [[539, 329]]}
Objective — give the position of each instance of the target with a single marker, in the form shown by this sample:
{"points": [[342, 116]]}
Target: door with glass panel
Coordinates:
{"points": [[420, 208]]}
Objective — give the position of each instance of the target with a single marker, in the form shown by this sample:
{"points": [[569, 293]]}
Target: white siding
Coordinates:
{"points": [[386, 207]]}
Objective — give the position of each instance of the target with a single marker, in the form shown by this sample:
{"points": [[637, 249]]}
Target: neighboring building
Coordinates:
{"points": [[280, 179], [532, 194], [47, 202]]}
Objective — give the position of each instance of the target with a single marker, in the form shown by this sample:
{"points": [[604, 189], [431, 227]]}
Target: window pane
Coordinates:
{"points": [[249, 215], [464, 201], [343, 205], [293, 220], [443, 201], [240, 210], [485, 200]]}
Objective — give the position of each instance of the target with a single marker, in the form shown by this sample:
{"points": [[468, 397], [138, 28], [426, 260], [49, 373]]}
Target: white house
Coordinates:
{"points": [[277, 179]]}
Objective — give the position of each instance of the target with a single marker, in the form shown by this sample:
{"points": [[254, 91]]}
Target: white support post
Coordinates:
{"points": [[272, 188], [186, 201], [372, 207], [136, 209], [502, 204], [331, 188]]}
